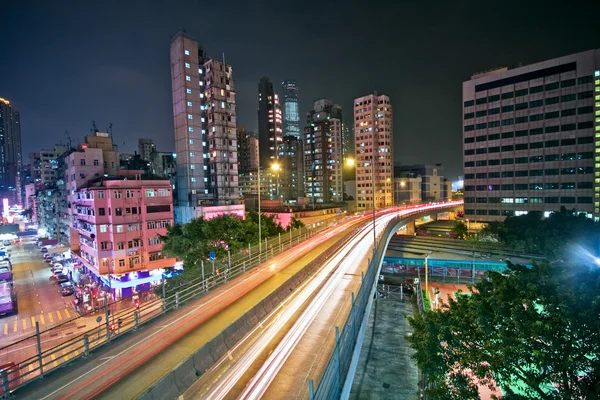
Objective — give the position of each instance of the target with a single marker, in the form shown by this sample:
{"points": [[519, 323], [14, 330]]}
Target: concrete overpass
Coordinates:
{"points": [[189, 342]]}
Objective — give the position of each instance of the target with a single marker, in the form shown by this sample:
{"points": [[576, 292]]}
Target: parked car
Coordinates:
{"points": [[61, 278], [57, 266], [44, 249], [57, 271], [7, 243], [67, 289]]}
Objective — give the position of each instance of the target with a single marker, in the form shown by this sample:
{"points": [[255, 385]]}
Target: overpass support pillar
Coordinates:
{"points": [[410, 227], [433, 217]]}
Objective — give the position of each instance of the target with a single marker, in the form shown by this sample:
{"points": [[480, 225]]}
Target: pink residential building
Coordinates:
{"points": [[119, 220]]}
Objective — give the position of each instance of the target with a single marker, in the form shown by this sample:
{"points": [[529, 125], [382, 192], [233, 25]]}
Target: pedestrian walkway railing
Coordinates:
{"points": [[31, 358], [344, 359]]}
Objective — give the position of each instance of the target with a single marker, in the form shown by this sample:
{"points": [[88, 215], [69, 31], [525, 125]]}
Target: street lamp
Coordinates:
{"points": [[427, 273], [276, 167]]}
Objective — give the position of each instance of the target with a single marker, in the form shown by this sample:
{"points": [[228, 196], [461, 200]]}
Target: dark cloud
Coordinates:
{"points": [[66, 63]]}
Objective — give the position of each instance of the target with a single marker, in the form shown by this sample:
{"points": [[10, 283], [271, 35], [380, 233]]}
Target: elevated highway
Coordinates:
{"points": [[293, 335]]}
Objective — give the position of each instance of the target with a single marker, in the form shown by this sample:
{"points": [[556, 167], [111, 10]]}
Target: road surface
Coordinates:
{"points": [[133, 364]]}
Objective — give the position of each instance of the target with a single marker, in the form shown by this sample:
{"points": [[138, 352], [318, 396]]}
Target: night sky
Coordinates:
{"points": [[67, 64]]}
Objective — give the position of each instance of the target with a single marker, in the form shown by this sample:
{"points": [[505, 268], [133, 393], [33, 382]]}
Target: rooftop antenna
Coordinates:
{"points": [[223, 58], [110, 129], [94, 127], [68, 139]]}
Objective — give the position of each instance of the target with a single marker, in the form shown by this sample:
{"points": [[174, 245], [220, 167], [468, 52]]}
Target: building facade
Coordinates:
{"points": [[323, 153], [11, 158], [433, 182], [119, 221], [163, 164], [530, 138], [247, 144], [407, 189], [291, 171], [44, 166], [291, 112], [373, 136], [270, 133], [205, 131], [146, 148]]}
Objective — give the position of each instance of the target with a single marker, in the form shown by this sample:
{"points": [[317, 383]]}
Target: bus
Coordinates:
{"points": [[7, 298]]}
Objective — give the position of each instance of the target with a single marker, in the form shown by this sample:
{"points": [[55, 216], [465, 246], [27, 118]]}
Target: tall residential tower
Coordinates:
{"points": [[205, 132], [323, 153], [270, 133], [10, 150], [373, 132], [531, 138], [291, 113]]}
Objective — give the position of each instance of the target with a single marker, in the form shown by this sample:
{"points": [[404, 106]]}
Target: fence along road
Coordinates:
{"points": [[39, 354], [134, 364]]}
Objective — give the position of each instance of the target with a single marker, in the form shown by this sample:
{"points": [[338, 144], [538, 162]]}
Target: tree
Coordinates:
{"points": [[193, 242], [527, 328], [461, 230], [296, 224]]}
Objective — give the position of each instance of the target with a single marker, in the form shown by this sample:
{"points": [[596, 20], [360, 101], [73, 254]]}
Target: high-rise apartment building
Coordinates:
{"points": [[10, 150], [323, 153], [291, 170], [44, 166], [270, 133], [373, 136], [146, 148], [291, 112], [531, 138], [247, 145], [205, 132]]}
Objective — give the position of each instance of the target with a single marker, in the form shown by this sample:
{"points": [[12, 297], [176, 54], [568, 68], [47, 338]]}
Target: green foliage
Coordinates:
{"points": [[525, 329], [296, 224], [548, 236], [426, 300], [461, 229], [193, 242]]}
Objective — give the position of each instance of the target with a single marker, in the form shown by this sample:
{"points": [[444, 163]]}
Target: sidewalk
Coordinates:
{"points": [[385, 368]]}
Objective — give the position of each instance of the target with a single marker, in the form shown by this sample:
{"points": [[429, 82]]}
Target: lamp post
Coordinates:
{"points": [[427, 272], [276, 167], [259, 233], [373, 196]]}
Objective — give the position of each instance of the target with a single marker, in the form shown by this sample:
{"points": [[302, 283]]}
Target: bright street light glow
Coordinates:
{"points": [[275, 167], [350, 162]]}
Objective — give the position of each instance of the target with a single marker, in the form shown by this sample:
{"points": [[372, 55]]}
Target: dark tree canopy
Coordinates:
{"points": [[528, 328], [532, 233]]}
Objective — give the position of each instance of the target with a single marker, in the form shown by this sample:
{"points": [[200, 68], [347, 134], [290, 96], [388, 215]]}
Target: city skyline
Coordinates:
{"points": [[97, 76]]}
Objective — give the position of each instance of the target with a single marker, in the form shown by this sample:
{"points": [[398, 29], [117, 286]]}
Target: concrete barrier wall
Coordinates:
{"points": [[172, 385]]}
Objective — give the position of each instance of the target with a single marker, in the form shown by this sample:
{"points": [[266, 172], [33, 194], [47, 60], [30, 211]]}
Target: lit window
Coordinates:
{"points": [[192, 166], [187, 52], [190, 116], [187, 78], [202, 119], [201, 95], [190, 129], [201, 83], [597, 73], [192, 154], [189, 103], [200, 71], [188, 91], [193, 179], [187, 65], [222, 104], [191, 141]]}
